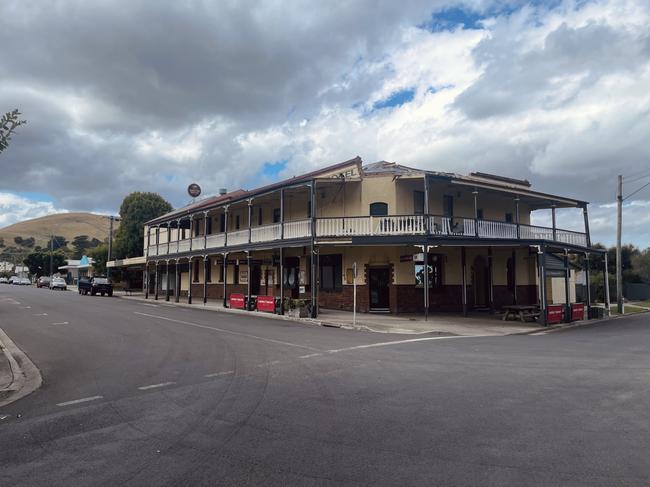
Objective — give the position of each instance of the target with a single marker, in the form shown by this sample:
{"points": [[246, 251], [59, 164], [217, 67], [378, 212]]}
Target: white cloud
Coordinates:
{"points": [[15, 208]]}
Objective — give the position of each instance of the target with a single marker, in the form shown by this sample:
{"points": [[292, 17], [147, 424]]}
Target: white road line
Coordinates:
{"points": [[62, 323], [77, 401], [270, 340], [3, 417], [398, 342], [150, 305], [25, 307], [154, 386], [40, 314], [311, 355], [217, 374]]}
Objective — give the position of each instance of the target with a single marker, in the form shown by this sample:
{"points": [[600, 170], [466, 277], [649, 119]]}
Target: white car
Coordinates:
{"points": [[4, 280], [58, 283], [25, 281]]}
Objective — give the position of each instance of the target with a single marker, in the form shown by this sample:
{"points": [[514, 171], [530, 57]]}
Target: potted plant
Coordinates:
{"points": [[296, 308]]}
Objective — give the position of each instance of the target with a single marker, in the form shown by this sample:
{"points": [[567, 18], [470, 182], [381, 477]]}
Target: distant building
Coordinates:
{"points": [[77, 268]]}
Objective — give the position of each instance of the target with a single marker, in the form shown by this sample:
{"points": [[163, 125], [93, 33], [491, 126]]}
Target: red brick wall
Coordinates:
{"points": [[344, 299]]}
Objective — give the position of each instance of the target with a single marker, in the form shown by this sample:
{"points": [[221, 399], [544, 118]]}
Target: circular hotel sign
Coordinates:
{"points": [[194, 190]]}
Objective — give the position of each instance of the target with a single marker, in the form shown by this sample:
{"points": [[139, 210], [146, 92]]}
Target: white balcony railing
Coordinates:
{"points": [[266, 233], [215, 241], [376, 226], [184, 245], [237, 238], [198, 243], [297, 229]]}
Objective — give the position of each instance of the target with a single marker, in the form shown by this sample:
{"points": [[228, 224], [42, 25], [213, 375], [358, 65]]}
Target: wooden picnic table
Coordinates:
{"points": [[522, 311]]}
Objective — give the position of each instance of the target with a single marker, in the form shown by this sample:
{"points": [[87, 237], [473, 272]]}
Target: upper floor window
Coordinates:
{"points": [[208, 225], [418, 202], [259, 215], [378, 209], [448, 205], [309, 209], [479, 213], [509, 218], [222, 222], [276, 215], [237, 222], [197, 228]]}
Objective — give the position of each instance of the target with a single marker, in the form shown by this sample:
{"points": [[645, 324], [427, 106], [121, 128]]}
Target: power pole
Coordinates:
{"points": [[51, 251], [619, 263], [110, 246]]}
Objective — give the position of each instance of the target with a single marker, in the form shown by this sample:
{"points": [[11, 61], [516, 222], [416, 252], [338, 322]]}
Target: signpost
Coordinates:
{"points": [[194, 190], [354, 299]]}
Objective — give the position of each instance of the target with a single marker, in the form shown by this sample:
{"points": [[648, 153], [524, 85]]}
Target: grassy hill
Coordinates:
{"points": [[68, 225]]}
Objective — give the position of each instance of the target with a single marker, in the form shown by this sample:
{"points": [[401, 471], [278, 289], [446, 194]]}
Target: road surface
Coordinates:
{"points": [[150, 394]]}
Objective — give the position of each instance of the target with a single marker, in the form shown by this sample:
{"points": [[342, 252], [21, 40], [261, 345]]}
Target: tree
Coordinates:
{"points": [[641, 264], [136, 209], [39, 262], [99, 255], [81, 244], [9, 122], [56, 242]]}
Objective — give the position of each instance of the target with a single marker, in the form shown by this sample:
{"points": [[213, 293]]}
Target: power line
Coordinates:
{"points": [[636, 178], [635, 192]]}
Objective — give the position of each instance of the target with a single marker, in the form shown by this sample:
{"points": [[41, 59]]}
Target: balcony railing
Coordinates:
{"points": [[360, 226]]}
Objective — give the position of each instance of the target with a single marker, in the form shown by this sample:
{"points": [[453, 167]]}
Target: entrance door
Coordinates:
{"points": [[378, 283], [291, 276], [480, 283], [255, 277]]}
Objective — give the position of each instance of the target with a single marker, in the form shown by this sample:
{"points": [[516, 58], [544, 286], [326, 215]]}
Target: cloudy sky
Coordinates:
{"points": [[150, 95]]}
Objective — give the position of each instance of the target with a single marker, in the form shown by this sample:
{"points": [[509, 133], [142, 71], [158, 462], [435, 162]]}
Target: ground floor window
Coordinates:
{"points": [[435, 270], [235, 278], [208, 271], [331, 272], [195, 277]]}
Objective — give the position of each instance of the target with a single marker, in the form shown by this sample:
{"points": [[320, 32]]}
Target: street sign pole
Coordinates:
{"points": [[354, 299]]}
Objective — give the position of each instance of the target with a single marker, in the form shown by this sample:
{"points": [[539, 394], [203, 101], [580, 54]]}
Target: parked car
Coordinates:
{"points": [[43, 281], [95, 285], [4, 280], [25, 281], [58, 283], [14, 280]]}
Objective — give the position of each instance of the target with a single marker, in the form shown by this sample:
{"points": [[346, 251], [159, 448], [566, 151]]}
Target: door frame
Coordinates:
{"points": [[386, 309]]}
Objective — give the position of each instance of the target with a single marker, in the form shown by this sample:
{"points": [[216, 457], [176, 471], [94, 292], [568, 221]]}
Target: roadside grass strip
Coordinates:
{"points": [[79, 401]]}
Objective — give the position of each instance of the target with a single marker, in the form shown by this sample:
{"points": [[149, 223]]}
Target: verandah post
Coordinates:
{"points": [[225, 279], [464, 279], [567, 290], [155, 296], [189, 282], [206, 264], [425, 287], [177, 278], [167, 280]]}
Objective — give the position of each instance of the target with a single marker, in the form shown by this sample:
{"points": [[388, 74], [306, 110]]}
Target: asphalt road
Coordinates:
{"points": [[142, 394]]}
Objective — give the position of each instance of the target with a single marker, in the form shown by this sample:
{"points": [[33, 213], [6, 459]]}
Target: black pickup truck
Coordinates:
{"points": [[95, 285]]}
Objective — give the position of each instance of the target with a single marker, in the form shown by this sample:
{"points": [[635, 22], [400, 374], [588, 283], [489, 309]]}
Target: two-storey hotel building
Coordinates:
{"points": [[420, 241]]}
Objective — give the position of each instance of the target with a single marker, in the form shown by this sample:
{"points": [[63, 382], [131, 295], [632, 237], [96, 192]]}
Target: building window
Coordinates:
{"points": [[331, 272], [195, 277], [479, 213], [197, 228], [221, 272], [222, 223], [259, 215], [208, 227], [309, 209], [235, 277], [448, 205], [418, 202], [237, 222], [435, 271], [208, 271], [378, 209], [276, 215], [509, 218], [183, 234]]}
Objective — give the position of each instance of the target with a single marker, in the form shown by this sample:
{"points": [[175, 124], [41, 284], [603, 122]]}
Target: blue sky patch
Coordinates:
{"points": [[395, 99], [271, 170], [36, 196], [451, 18]]}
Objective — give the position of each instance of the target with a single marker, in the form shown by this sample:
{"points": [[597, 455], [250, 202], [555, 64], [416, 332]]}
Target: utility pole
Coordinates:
{"points": [[51, 251], [110, 246], [619, 263]]}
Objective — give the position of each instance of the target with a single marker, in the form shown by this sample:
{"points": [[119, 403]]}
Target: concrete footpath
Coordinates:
{"points": [[18, 374], [442, 324]]}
